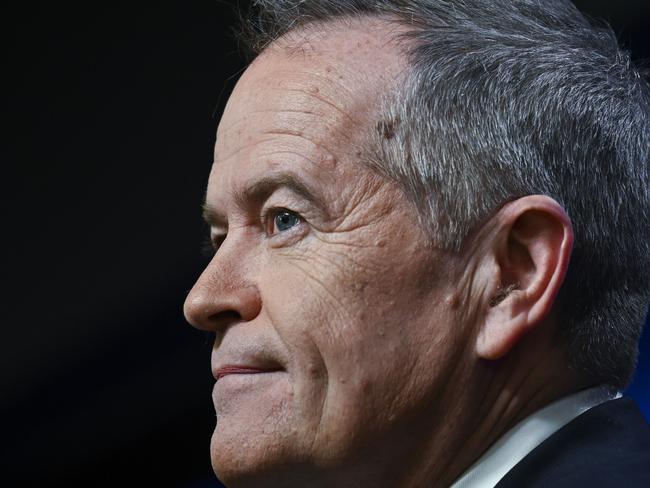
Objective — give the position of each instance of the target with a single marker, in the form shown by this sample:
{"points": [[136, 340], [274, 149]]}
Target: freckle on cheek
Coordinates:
{"points": [[329, 163], [452, 300], [359, 285], [313, 371]]}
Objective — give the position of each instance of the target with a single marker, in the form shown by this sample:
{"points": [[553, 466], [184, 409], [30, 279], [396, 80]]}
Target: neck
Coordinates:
{"points": [[498, 396]]}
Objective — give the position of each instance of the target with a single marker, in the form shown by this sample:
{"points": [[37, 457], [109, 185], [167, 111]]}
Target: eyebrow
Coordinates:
{"points": [[258, 192]]}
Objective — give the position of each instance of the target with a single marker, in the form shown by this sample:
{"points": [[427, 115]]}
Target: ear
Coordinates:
{"points": [[530, 246]]}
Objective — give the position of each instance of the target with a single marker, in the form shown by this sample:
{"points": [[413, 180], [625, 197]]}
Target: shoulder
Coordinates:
{"points": [[609, 445]]}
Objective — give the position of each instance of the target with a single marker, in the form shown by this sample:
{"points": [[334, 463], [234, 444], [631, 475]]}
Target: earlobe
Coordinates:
{"points": [[531, 248]]}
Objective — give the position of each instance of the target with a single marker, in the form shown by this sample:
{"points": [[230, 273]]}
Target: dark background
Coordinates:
{"points": [[111, 111]]}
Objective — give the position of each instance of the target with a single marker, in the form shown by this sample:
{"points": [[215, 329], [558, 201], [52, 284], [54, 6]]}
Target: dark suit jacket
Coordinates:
{"points": [[607, 446]]}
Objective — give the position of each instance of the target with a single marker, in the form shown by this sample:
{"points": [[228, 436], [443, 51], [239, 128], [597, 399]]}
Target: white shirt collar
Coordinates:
{"points": [[512, 447]]}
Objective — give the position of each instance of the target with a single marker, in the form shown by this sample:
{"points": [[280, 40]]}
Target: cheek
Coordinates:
{"points": [[302, 316], [356, 336], [308, 301]]}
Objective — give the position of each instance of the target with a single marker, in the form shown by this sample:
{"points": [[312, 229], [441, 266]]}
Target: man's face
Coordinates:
{"points": [[335, 333]]}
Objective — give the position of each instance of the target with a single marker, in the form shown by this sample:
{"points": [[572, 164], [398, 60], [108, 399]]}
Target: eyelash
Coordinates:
{"points": [[211, 245]]}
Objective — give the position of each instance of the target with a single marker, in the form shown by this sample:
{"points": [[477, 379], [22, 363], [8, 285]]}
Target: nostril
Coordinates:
{"points": [[222, 320], [219, 323]]}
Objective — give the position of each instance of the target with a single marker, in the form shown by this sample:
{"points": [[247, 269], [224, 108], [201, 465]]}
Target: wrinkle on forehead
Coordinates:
{"points": [[280, 100], [345, 65], [317, 107]]}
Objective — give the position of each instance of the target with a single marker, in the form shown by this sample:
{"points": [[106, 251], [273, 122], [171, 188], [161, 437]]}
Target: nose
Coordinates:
{"points": [[224, 294]]}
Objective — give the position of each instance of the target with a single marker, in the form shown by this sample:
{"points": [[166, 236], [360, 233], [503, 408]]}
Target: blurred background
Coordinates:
{"points": [[112, 109]]}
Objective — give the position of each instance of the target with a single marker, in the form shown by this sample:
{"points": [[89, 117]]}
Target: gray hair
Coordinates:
{"points": [[508, 98]]}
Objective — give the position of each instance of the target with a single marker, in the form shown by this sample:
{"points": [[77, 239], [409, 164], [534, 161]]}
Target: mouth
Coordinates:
{"points": [[231, 369]]}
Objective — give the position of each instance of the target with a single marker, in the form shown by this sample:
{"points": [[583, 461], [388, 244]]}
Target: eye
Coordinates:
{"points": [[284, 220]]}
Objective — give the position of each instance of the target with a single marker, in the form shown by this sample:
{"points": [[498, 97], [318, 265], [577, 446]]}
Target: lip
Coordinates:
{"points": [[237, 369]]}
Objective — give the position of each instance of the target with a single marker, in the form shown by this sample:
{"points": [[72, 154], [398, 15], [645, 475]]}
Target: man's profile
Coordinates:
{"points": [[430, 222]]}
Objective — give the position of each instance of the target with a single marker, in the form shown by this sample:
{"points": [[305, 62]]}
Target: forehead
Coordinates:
{"points": [[307, 99]]}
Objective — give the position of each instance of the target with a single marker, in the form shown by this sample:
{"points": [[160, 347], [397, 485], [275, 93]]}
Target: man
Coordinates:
{"points": [[430, 221]]}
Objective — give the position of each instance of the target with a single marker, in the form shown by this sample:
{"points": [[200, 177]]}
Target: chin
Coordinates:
{"points": [[277, 459], [252, 459]]}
